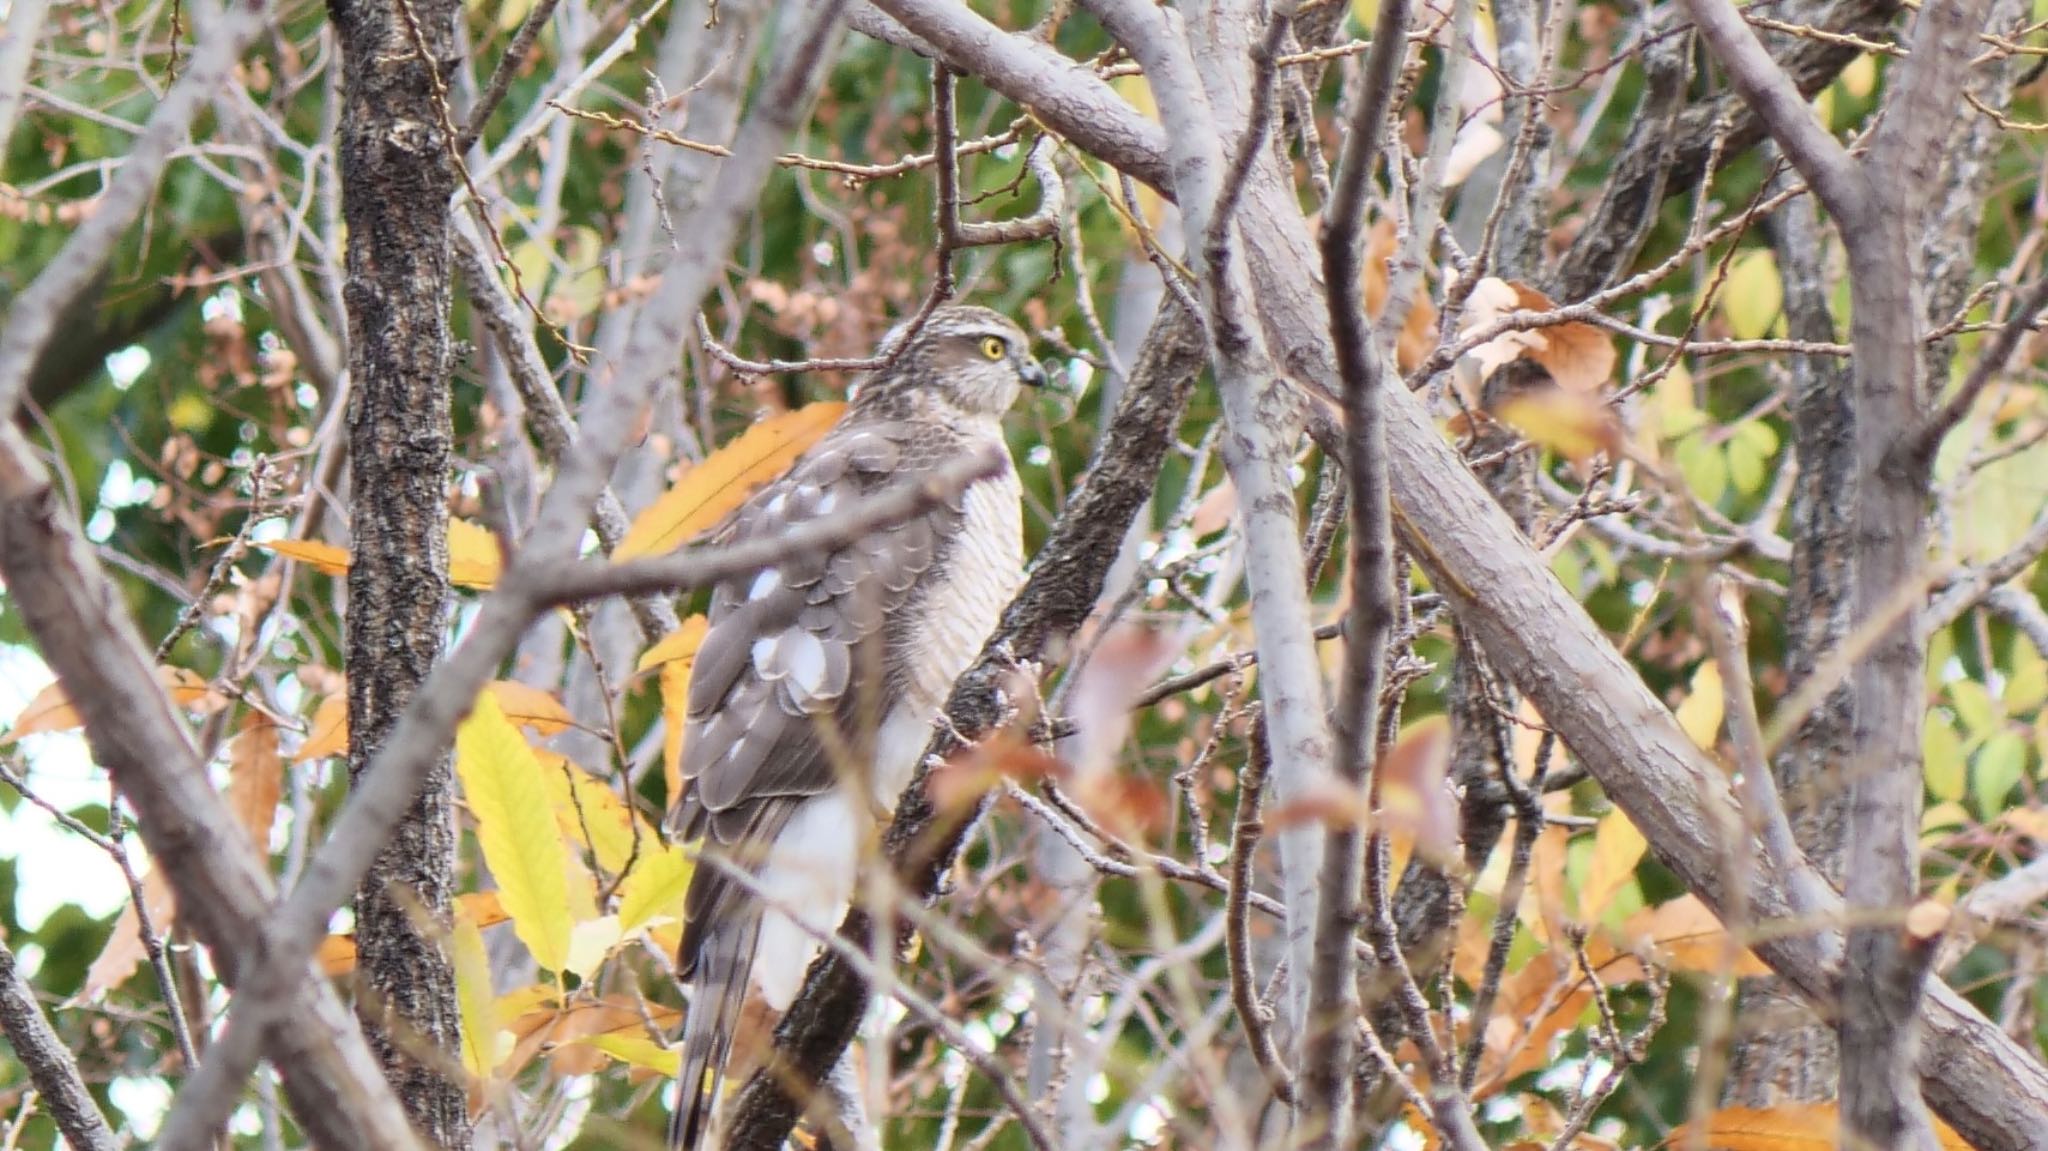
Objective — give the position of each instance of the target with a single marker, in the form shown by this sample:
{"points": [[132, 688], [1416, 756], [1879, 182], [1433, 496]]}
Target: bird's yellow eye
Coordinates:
{"points": [[993, 347]]}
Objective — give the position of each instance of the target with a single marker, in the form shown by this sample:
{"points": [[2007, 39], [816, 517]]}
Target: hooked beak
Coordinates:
{"points": [[1032, 373]]}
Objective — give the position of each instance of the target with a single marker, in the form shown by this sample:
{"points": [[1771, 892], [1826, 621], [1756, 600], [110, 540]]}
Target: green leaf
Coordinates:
{"points": [[1704, 466], [1996, 771]]}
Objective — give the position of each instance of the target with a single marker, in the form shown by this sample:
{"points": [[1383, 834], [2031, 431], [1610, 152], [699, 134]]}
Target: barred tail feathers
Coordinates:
{"points": [[718, 991]]}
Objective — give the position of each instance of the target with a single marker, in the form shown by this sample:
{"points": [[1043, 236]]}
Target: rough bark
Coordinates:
{"points": [[1785, 1050], [396, 188], [43, 1053]]}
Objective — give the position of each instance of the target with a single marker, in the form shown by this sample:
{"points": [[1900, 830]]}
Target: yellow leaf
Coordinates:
{"points": [[530, 998], [640, 1051], [1752, 295], [1700, 714], [507, 793], [51, 709], [680, 644], [1860, 77], [256, 778], [675, 710], [592, 940], [321, 557], [1575, 425], [711, 490], [593, 815], [327, 734], [1786, 1127], [531, 707], [2031, 822], [1943, 759], [654, 889], [474, 558], [1617, 848], [477, 1006]]}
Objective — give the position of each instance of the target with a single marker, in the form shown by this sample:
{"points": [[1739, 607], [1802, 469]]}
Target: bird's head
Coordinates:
{"points": [[965, 360]]}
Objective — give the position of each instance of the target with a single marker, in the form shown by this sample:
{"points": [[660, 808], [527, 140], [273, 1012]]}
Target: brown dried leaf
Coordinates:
{"points": [[124, 949], [256, 778]]}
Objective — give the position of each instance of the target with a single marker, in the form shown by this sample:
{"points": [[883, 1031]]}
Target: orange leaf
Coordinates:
{"points": [[531, 707], [1578, 355], [327, 734], [336, 955], [1688, 935], [1787, 1127], [711, 490], [675, 710], [256, 779], [124, 950], [481, 908], [321, 557], [1617, 848], [51, 709], [680, 644], [1414, 800]]}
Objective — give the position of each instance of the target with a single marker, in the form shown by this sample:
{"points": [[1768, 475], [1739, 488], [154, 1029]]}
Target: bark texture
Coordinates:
{"points": [[396, 188]]}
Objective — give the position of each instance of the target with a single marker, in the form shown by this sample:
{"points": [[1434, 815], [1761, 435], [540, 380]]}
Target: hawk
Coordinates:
{"points": [[816, 687]]}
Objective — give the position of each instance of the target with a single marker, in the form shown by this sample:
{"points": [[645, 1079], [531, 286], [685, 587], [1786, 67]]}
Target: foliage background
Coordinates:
{"points": [[181, 419]]}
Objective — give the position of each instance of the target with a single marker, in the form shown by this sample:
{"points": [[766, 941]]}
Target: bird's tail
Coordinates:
{"points": [[718, 990]]}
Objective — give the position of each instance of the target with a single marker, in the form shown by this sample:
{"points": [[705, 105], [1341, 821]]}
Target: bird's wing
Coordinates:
{"points": [[786, 645]]}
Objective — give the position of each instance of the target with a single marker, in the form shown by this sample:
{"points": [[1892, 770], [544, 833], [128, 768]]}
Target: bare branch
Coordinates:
{"points": [[385, 791], [1328, 1052], [1918, 449], [1066, 99], [17, 50], [701, 567], [1776, 100], [81, 626], [31, 321], [48, 1061]]}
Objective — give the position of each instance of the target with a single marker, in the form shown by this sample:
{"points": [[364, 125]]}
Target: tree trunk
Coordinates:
{"points": [[396, 188]]}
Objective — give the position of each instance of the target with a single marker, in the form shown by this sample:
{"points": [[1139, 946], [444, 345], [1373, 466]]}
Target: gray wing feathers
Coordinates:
{"points": [[784, 644]]}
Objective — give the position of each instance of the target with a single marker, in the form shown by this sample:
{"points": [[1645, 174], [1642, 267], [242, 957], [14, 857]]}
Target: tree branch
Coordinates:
{"points": [[48, 1060], [1329, 1050], [427, 727], [1776, 100], [31, 321], [82, 629]]}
